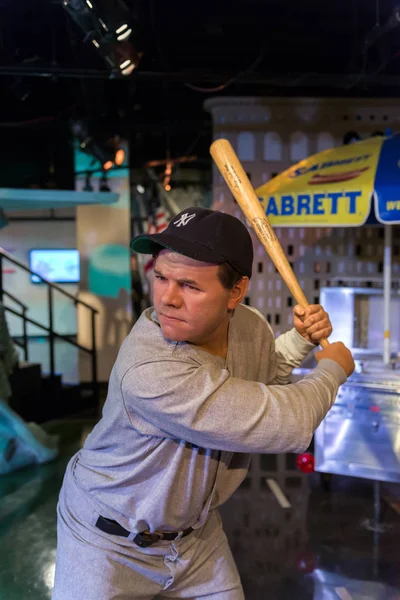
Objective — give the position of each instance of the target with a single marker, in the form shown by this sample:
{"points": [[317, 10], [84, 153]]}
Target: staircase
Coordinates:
{"points": [[38, 395]]}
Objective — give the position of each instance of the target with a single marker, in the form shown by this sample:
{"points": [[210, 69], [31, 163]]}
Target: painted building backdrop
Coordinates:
{"points": [[271, 134]]}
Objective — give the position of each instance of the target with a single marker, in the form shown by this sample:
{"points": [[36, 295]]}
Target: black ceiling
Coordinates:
{"points": [[191, 51]]}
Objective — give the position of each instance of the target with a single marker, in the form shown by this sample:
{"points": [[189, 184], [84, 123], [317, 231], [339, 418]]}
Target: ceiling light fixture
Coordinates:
{"points": [[105, 23], [106, 151]]}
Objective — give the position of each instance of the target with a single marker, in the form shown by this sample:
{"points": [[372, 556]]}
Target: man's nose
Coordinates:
{"points": [[172, 296]]}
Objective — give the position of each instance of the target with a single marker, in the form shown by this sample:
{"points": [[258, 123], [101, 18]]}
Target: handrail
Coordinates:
{"points": [[18, 343], [49, 330], [16, 300], [24, 308], [52, 335], [49, 283]]}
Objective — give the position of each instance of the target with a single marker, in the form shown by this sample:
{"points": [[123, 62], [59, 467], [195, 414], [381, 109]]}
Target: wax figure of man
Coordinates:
{"points": [[198, 385]]}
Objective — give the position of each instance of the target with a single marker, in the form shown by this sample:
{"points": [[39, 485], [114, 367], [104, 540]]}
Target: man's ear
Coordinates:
{"points": [[238, 292]]}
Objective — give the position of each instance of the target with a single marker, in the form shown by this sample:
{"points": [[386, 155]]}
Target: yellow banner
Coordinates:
{"points": [[331, 188]]}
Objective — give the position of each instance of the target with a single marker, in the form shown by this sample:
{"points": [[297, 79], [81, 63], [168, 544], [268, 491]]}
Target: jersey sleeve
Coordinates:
{"points": [[290, 351], [204, 405], [285, 353]]}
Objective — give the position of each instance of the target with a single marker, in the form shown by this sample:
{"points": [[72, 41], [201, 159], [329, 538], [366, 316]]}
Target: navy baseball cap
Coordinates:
{"points": [[205, 235]]}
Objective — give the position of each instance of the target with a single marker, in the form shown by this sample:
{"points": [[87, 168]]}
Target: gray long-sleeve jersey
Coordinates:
{"points": [[179, 423]]}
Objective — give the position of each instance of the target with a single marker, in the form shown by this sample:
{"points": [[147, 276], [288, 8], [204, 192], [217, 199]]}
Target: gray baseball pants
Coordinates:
{"points": [[93, 565]]}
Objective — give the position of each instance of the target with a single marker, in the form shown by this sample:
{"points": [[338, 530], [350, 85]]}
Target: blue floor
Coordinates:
{"points": [[28, 501]]}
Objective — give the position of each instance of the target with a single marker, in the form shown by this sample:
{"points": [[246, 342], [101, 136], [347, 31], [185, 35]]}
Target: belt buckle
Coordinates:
{"points": [[146, 539]]}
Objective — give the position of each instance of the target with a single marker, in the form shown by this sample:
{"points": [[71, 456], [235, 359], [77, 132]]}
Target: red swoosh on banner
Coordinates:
{"points": [[336, 177]]}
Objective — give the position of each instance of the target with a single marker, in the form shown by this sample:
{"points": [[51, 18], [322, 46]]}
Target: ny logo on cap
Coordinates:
{"points": [[184, 220]]}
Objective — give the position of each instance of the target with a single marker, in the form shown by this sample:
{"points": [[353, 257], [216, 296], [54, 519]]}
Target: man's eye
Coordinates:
{"points": [[191, 287], [160, 277]]}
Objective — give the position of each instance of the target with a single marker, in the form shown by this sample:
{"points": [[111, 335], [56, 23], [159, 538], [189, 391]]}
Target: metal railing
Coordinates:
{"points": [[52, 334], [24, 343]]}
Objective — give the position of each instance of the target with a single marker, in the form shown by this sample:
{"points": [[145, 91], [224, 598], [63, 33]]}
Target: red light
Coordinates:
{"points": [[107, 165], [305, 462], [119, 157], [375, 409], [306, 562]]}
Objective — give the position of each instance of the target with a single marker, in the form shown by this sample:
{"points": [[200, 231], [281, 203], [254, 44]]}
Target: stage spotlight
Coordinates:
{"points": [[91, 146], [104, 149], [105, 24], [119, 156], [123, 32]]}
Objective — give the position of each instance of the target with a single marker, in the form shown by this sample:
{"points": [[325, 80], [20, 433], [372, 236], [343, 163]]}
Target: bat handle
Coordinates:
{"points": [[324, 343]]}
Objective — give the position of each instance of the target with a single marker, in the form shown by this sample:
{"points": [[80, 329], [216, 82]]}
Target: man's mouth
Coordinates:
{"points": [[168, 318]]}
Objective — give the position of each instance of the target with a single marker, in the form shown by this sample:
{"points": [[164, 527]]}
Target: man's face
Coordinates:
{"points": [[190, 302]]}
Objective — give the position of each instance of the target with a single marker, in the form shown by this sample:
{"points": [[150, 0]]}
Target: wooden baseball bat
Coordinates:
{"points": [[232, 171]]}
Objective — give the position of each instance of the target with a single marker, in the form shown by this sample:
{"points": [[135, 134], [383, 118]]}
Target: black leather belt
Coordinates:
{"points": [[144, 539]]}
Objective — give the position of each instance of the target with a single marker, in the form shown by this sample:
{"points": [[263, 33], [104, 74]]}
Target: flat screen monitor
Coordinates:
{"points": [[56, 265]]}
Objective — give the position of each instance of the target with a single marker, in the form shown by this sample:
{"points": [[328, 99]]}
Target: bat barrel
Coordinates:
{"points": [[239, 184]]}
